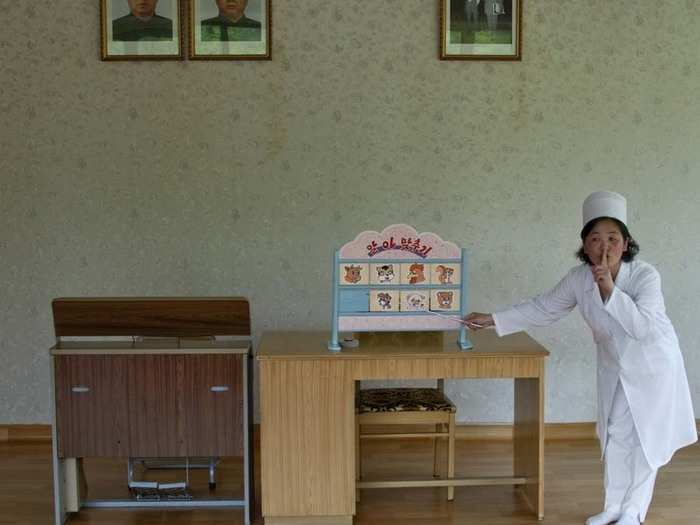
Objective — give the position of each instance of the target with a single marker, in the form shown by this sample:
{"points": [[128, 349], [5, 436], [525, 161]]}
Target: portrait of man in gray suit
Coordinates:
{"points": [[142, 24]]}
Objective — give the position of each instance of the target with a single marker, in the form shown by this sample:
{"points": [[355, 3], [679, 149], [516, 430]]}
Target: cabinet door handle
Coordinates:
{"points": [[219, 388], [80, 389]]}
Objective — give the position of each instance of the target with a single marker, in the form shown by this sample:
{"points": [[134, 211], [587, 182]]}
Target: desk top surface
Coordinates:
{"points": [[184, 346], [312, 345]]}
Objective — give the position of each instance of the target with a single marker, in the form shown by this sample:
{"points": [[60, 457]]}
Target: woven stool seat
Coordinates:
{"points": [[403, 400]]}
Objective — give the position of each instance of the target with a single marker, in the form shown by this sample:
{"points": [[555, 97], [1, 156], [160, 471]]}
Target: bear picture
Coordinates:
{"points": [[444, 300]]}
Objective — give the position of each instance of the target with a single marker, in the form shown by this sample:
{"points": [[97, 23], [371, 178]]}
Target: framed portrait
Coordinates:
{"points": [[230, 29], [480, 29], [141, 30]]}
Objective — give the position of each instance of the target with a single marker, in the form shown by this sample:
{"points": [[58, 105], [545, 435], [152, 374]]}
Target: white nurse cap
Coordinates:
{"points": [[605, 204]]}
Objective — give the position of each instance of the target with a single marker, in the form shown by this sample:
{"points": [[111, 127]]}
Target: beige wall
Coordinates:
{"points": [[240, 178]]}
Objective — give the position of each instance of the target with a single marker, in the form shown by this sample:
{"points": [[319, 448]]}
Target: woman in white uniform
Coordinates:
{"points": [[645, 411]]}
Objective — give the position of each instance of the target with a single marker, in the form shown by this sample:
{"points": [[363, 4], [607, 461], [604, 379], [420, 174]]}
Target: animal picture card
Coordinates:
{"points": [[415, 300], [415, 273], [444, 300], [385, 274], [445, 273], [384, 301], [357, 273]]}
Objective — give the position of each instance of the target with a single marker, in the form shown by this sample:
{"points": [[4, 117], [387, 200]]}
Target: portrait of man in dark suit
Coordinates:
{"points": [[231, 25], [142, 24]]}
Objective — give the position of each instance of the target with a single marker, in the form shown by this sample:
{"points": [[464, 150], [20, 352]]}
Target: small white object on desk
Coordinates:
{"points": [[349, 342]]}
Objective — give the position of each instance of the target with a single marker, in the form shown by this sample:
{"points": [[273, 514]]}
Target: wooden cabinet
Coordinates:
{"points": [[150, 377], [159, 405]]}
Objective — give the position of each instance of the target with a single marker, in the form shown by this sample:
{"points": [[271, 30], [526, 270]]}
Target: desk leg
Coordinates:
{"points": [[528, 439], [307, 442]]}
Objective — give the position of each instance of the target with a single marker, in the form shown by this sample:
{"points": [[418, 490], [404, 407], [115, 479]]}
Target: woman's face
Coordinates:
{"points": [[605, 233]]}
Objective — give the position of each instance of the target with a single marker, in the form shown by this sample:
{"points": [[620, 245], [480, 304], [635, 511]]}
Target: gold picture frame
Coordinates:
{"points": [[141, 30], [220, 30], [480, 29]]}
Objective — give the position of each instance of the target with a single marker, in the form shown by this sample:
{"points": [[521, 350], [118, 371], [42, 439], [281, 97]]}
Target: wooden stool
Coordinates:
{"points": [[406, 406]]}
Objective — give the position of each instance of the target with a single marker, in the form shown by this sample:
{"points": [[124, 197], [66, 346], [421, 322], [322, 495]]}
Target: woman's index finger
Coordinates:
{"points": [[604, 260]]}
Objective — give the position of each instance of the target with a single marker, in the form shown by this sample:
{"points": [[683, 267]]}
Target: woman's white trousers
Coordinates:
{"points": [[629, 481]]}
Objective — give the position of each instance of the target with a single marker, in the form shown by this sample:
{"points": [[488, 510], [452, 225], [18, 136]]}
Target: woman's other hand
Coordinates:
{"points": [[477, 320]]}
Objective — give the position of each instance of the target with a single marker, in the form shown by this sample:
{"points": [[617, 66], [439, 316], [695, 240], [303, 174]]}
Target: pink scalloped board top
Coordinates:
{"points": [[399, 241]]}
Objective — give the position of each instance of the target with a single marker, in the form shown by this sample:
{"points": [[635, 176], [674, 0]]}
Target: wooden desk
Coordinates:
{"points": [[307, 413]]}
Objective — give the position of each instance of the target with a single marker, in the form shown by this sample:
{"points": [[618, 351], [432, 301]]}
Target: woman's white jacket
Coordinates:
{"points": [[637, 345]]}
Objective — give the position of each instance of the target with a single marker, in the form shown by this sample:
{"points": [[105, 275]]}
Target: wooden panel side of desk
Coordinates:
{"points": [[307, 438], [528, 438]]}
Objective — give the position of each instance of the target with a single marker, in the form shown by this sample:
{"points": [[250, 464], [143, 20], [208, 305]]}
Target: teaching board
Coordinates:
{"points": [[399, 280]]}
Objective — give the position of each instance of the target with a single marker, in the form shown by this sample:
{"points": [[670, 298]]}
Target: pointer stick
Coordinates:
{"points": [[455, 319]]}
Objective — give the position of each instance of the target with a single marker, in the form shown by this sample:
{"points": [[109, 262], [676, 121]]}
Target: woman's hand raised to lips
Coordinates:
{"points": [[477, 321], [603, 276]]}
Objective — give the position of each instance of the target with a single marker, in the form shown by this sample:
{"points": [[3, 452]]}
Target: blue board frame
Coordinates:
{"points": [[334, 344]]}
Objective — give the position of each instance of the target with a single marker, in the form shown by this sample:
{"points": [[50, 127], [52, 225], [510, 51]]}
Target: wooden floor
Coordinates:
{"points": [[572, 488]]}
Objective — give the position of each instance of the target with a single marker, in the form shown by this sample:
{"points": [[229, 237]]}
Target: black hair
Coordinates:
{"points": [[632, 245]]}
